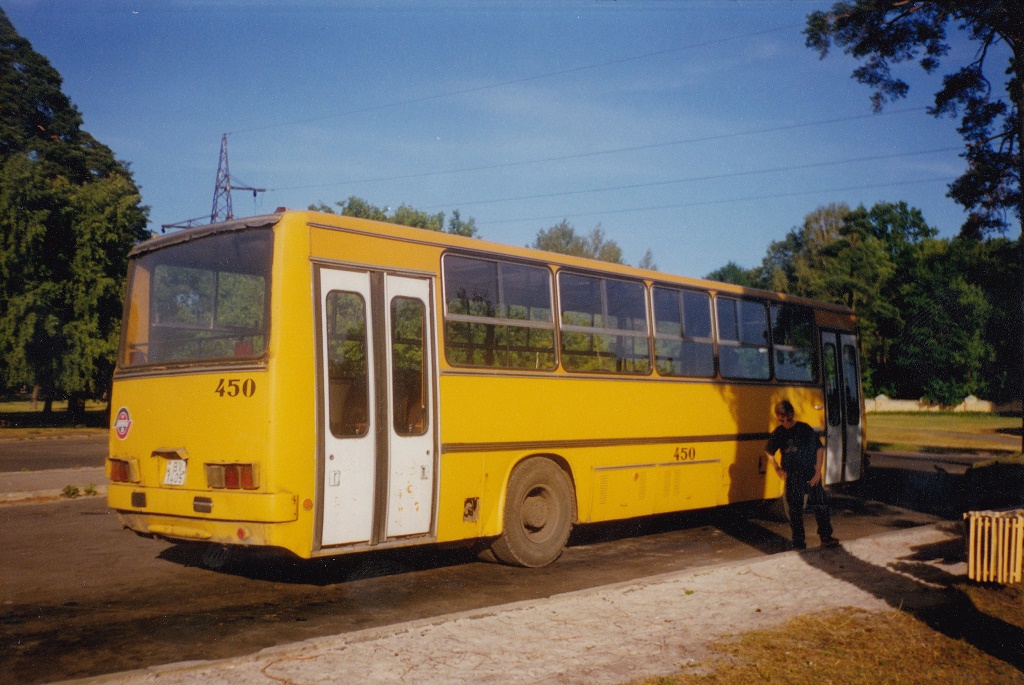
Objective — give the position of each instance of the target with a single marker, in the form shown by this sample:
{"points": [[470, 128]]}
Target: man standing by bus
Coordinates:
{"points": [[803, 455]]}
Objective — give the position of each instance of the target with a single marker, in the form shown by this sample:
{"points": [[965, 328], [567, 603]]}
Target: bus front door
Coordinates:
{"points": [[844, 424], [377, 462]]}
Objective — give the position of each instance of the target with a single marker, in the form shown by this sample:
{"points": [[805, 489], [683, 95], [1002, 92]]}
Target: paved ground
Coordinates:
{"points": [[29, 486], [611, 634]]}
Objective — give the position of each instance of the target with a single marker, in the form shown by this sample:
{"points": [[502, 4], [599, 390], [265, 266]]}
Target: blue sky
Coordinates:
{"points": [[700, 129]]}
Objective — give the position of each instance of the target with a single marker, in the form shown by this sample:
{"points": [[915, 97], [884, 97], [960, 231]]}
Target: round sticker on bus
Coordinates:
{"points": [[123, 423]]}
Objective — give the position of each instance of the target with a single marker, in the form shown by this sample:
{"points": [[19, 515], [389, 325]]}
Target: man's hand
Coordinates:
{"points": [[775, 465]]}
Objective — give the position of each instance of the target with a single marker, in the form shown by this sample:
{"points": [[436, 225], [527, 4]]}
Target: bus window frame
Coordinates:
{"points": [[143, 251], [646, 334], [813, 350], [738, 344], [498, 260], [710, 341]]}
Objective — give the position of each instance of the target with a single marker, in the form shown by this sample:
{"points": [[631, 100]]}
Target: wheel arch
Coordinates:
{"points": [[539, 509], [562, 464]]}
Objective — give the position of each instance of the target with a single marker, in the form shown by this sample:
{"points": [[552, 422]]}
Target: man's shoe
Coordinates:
{"points": [[829, 543]]}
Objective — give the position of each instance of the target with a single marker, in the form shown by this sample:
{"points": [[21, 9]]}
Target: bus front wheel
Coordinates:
{"points": [[539, 513]]}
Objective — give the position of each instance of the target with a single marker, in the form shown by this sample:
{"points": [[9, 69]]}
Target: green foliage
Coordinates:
{"points": [[647, 261], [737, 275], [935, 315], [885, 33], [993, 266], [69, 213], [941, 349], [456, 226], [404, 216], [563, 239]]}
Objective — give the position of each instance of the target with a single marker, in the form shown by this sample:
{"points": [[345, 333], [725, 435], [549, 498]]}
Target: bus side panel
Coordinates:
{"points": [[634, 447]]}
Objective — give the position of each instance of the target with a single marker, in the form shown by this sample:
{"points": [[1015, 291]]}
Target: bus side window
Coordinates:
{"points": [[498, 314], [833, 398], [851, 376], [682, 332], [409, 402], [604, 325], [793, 338], [348, 372], [742, 338]]}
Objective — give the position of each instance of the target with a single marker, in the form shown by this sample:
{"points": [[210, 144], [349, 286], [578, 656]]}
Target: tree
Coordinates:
{"points": [[883, 33], [941, 348], [69, 213], [737, 275], [647, 261], [456, 226], [563, 239], [852, 257], [405, 215]]}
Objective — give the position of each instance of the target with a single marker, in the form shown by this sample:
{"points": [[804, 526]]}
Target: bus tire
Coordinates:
{"points": [[539, 513]]}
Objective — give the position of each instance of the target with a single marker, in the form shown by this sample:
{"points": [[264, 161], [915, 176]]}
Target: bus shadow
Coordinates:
{"points": [[916, 585], [640, 527], [282, 567], [738, 521]]}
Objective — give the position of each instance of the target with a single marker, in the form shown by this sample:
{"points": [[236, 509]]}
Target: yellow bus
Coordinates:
{"points": [[325, 384]]}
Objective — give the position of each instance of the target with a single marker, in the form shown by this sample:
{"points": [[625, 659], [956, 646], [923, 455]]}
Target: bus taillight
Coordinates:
{"points": [[123, 471], [233, 476]]}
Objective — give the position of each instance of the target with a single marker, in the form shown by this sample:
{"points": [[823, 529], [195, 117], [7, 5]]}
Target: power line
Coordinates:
{"points": [[609, 151], [512, 82], [704, 203], [694, 179]]}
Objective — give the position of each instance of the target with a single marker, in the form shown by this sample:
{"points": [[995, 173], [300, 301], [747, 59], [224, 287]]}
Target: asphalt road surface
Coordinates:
{"points": [[83, 597], [58, 452]]}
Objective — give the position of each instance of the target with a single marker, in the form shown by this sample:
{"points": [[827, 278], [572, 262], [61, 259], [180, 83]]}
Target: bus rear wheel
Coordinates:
{"points": [[539, 513]]}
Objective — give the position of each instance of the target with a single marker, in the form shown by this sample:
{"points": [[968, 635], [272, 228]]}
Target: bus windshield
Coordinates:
{"points": [[205, 299]]}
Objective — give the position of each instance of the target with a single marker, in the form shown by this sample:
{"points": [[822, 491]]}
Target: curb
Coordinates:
{"points": [[17, 487], [39, 496]]}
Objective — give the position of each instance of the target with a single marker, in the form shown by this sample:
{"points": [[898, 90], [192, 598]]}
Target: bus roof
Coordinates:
{"points": [[464, 244]]}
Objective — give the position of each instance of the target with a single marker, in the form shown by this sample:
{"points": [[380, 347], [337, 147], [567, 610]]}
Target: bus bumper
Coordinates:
{"points": [[226, 517]]}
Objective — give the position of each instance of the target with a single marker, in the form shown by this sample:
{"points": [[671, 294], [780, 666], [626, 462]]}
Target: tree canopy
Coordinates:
{"points": [[986, 90], [563, 239], [404, 215], [884, 33], [69, 213], [936, 316]]}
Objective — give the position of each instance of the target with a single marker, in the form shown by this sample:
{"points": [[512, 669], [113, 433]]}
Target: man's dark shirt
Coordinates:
{"points": [[799, 446]]}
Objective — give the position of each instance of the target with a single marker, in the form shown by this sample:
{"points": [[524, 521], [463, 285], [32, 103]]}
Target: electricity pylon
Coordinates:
{"points": [[222, 191], [222, 210]]}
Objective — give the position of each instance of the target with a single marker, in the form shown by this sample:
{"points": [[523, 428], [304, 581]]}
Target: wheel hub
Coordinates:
{"points": [[535, 511]]}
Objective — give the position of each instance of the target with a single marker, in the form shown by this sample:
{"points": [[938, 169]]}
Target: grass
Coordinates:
{"points": [[59, 406], [853, 647], [943, 431], [19, 421]]}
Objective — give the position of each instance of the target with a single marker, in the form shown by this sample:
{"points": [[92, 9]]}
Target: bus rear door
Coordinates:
{"points": [[843, 419], [377, 461]]}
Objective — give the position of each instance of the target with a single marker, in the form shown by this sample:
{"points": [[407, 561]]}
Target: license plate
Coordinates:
{"points": [[175, 474]]}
